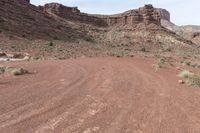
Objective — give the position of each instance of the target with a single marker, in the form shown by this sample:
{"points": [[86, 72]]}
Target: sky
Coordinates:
{"points": [[183, 12]]}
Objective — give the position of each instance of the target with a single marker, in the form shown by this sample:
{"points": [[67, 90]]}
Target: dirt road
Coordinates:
{"points": [[97, 95]]}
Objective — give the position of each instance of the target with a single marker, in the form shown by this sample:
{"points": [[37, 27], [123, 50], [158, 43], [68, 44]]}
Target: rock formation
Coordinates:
{"points": [[165, 18], [59, 9], [71, 13], [146, 15], [164, 14]]}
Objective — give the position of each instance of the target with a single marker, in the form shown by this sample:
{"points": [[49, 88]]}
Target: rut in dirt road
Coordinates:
{"points": [[103, 95]]}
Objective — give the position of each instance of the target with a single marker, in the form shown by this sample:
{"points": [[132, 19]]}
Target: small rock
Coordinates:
{"points": [[10, 55], [26, 58], [181, 82], [178, 68], [2, 54], [95, 129], [26, 54]]}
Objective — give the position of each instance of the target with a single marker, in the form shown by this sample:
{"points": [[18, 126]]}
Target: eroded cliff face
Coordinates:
{"points": [[71, 14], [164, 14], [146, 15], [165, 18], [59, 9]]}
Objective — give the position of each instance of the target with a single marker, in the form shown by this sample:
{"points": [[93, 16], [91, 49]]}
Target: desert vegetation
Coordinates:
{"points": [[16, 71], [190, 78], [191, 64], [162, 61], [194, 80]]}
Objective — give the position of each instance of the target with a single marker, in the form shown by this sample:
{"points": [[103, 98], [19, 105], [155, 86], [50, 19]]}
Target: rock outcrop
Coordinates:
{"points": [[164, 14], [59, 9], [165, 18], [71, 14], [147, 15]]}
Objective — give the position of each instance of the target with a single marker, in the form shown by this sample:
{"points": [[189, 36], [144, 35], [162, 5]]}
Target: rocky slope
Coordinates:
{"points": [[190, 32], [73, 33], [20, 18]]}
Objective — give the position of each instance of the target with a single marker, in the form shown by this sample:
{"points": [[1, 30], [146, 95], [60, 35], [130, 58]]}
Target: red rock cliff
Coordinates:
{"points": [[71, 13], [146, 15], [59, 9]]}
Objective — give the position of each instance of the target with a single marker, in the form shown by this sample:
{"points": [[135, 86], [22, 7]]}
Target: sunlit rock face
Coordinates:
{"points": [[146, 15]]}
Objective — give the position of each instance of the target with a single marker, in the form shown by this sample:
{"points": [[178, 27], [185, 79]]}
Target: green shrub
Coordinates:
{"points": [[50, 43], [196, 65], [157, 66], [188, 63], [13, 70], [194, 80], [55, 38], [168, 49], [18, 71], [157, 56], [162, 60], [2, 69], [185, 74], [143, 49]]}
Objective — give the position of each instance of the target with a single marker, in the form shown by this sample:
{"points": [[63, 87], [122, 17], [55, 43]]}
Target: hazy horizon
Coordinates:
{"points": [[182, 12]]}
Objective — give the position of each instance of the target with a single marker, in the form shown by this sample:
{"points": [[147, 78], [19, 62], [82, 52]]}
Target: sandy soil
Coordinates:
{"points": [[97, 95]]}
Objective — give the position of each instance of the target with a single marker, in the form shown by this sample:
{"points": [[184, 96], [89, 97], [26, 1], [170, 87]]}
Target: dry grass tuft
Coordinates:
{"points": [[185, 74], [194, 80], [19, 71]]}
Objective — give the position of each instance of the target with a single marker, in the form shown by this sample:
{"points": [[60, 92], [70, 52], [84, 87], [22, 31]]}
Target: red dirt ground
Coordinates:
{"points": [[103, 95]]}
